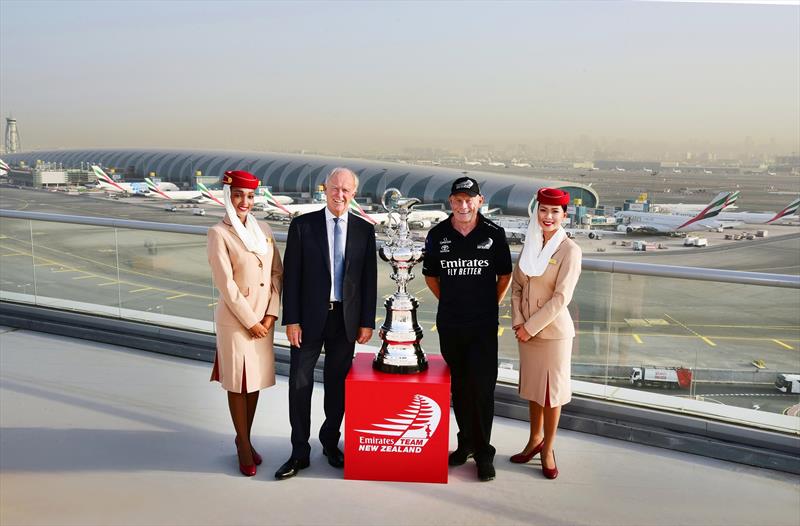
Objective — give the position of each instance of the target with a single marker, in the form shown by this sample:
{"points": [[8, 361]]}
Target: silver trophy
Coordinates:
{"points": [[400, 351]]}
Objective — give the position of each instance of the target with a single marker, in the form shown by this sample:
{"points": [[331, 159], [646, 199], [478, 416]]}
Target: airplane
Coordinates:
{"points": [[765, 218], [418, 219], [650, 222], [617, 168], [472, 163], [496, 163], [518, 164], [772, 173], [647, 170], [690, 209], [676, 170], [707, 171], [294, 210], [117, 187], [178, 195], [4, 168]]}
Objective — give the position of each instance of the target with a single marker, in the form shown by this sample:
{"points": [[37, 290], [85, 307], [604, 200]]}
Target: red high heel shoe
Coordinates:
{"points": [[247, 471], [522, 458], [550, 473], [256, 457]]}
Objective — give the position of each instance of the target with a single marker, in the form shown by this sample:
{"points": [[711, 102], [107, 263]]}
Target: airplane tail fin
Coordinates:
{"points": [[732, 199], [104, 180], [205, 192], [714, 207], [789, 210], [153, 187], [264, 191], [361, 212], [4, 166]]}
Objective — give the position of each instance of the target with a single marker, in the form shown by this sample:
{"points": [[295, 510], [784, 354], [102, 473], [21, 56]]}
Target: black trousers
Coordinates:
{"points": [[338, 360], [471, 354]]}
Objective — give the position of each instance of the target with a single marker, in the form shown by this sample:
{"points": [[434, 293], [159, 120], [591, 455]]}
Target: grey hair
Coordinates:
{"points": [[342, 169]]}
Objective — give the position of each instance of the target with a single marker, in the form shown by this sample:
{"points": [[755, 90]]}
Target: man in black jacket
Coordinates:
{"points": [[329, 298]]}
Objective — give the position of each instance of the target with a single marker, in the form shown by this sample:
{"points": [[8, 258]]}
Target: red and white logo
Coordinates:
{"points": [[408, 432]]}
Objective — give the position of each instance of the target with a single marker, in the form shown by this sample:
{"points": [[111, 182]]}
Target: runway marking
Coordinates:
{"points": [[102, 264], [51, 264], [636, 337], [65, 270], [12, 255], [500, 331], [179, 295], [141, 289], [121, 282], [211, 304], [433, 328], [420, 291], [783, 344], [378, 318], [709, 342]]}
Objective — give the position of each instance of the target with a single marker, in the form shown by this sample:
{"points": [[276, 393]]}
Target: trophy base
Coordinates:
{"points": [[380, 365]]}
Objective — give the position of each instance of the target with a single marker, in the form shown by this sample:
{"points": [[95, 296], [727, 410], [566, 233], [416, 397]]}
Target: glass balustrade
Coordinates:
{"points": [[699, 347]]}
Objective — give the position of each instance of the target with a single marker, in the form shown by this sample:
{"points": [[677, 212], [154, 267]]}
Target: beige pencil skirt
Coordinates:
{"points": [[544, 371]]}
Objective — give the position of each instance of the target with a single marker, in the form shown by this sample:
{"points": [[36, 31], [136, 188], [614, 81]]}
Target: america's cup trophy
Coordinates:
{"points": [[400, 351]]}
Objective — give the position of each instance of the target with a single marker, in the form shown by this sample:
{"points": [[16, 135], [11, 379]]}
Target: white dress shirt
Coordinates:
{"points": [[329, 226]]}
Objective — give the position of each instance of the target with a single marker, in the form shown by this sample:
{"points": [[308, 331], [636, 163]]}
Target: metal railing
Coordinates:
{"points": [[628, 314]]}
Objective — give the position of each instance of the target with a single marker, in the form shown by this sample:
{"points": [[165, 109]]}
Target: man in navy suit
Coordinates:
{"points": [[329, 296]]}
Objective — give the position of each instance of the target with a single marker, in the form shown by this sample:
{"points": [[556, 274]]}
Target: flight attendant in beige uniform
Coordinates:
{"points": [[542, 286], [248, 273]]}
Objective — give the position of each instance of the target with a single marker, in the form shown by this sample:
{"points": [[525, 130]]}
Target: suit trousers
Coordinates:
{"points": [[338, 360], [471, 354]]}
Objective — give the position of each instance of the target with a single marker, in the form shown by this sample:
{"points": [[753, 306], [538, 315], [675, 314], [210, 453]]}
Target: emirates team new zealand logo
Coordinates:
{"points": [[407, 433]]}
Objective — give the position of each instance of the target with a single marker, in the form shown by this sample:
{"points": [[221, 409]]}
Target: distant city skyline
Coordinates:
{"points": [[637, 79]]}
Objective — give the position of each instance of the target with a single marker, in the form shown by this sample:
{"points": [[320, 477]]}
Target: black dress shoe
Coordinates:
{"points": [[459, 456], [485, 471], [290, 468], [335, 456]]}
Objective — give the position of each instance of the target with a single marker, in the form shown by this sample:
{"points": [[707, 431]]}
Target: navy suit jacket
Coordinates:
{"points": [[307, 275]]}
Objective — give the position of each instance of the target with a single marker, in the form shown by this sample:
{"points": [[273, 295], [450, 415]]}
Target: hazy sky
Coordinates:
{"points": [[365, 76]]}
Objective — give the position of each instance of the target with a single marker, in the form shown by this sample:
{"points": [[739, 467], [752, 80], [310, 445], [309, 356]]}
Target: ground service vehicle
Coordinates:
{"points": [[666, 377], [788, 383]]}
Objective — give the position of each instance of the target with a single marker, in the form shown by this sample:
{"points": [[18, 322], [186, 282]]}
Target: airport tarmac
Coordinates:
{"points": [[622, 320]]}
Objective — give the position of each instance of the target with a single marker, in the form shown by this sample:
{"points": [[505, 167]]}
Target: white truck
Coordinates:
{"points": [[666, 377], [694, 241], [788, 383]]}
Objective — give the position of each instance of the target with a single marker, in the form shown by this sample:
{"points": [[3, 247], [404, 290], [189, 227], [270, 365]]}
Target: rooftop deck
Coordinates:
{"points": [[98, 434]]}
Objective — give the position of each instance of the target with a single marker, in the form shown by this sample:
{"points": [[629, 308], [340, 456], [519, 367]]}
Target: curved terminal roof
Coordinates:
{"points": [[301, 173]]}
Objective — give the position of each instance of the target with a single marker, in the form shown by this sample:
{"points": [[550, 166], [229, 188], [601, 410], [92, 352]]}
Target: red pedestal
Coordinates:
{"points": [[397, 425]]}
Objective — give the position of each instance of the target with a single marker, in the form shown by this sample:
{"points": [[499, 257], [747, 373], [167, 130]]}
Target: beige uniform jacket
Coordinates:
{"points": [[249, 288], [540, 302]]}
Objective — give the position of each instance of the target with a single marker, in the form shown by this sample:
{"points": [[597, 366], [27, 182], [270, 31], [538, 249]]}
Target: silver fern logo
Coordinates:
{"points": [[408, 432]]}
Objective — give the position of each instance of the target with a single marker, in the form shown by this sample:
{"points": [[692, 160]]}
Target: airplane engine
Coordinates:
{"points": [[624, 228]]}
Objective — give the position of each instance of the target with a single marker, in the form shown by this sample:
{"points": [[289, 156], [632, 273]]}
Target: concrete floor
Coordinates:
{"points": [[99, 434]]}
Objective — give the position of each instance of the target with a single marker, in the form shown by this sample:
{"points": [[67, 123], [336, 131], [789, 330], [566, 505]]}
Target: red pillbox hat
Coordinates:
{"points": [[552, 196], [240, 179]]}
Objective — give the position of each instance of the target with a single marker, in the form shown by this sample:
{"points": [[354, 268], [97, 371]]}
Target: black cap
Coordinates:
{"points": [[465, 185]]}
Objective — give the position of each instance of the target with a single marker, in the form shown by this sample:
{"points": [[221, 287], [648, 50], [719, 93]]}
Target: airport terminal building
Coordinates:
{"points": [[302, 173]]}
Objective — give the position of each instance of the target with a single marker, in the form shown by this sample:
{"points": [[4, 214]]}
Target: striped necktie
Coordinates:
{"points": [[338, 258]]}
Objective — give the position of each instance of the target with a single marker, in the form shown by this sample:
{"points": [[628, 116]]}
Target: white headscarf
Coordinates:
{"points": [[534, 258], [251, 234]]}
